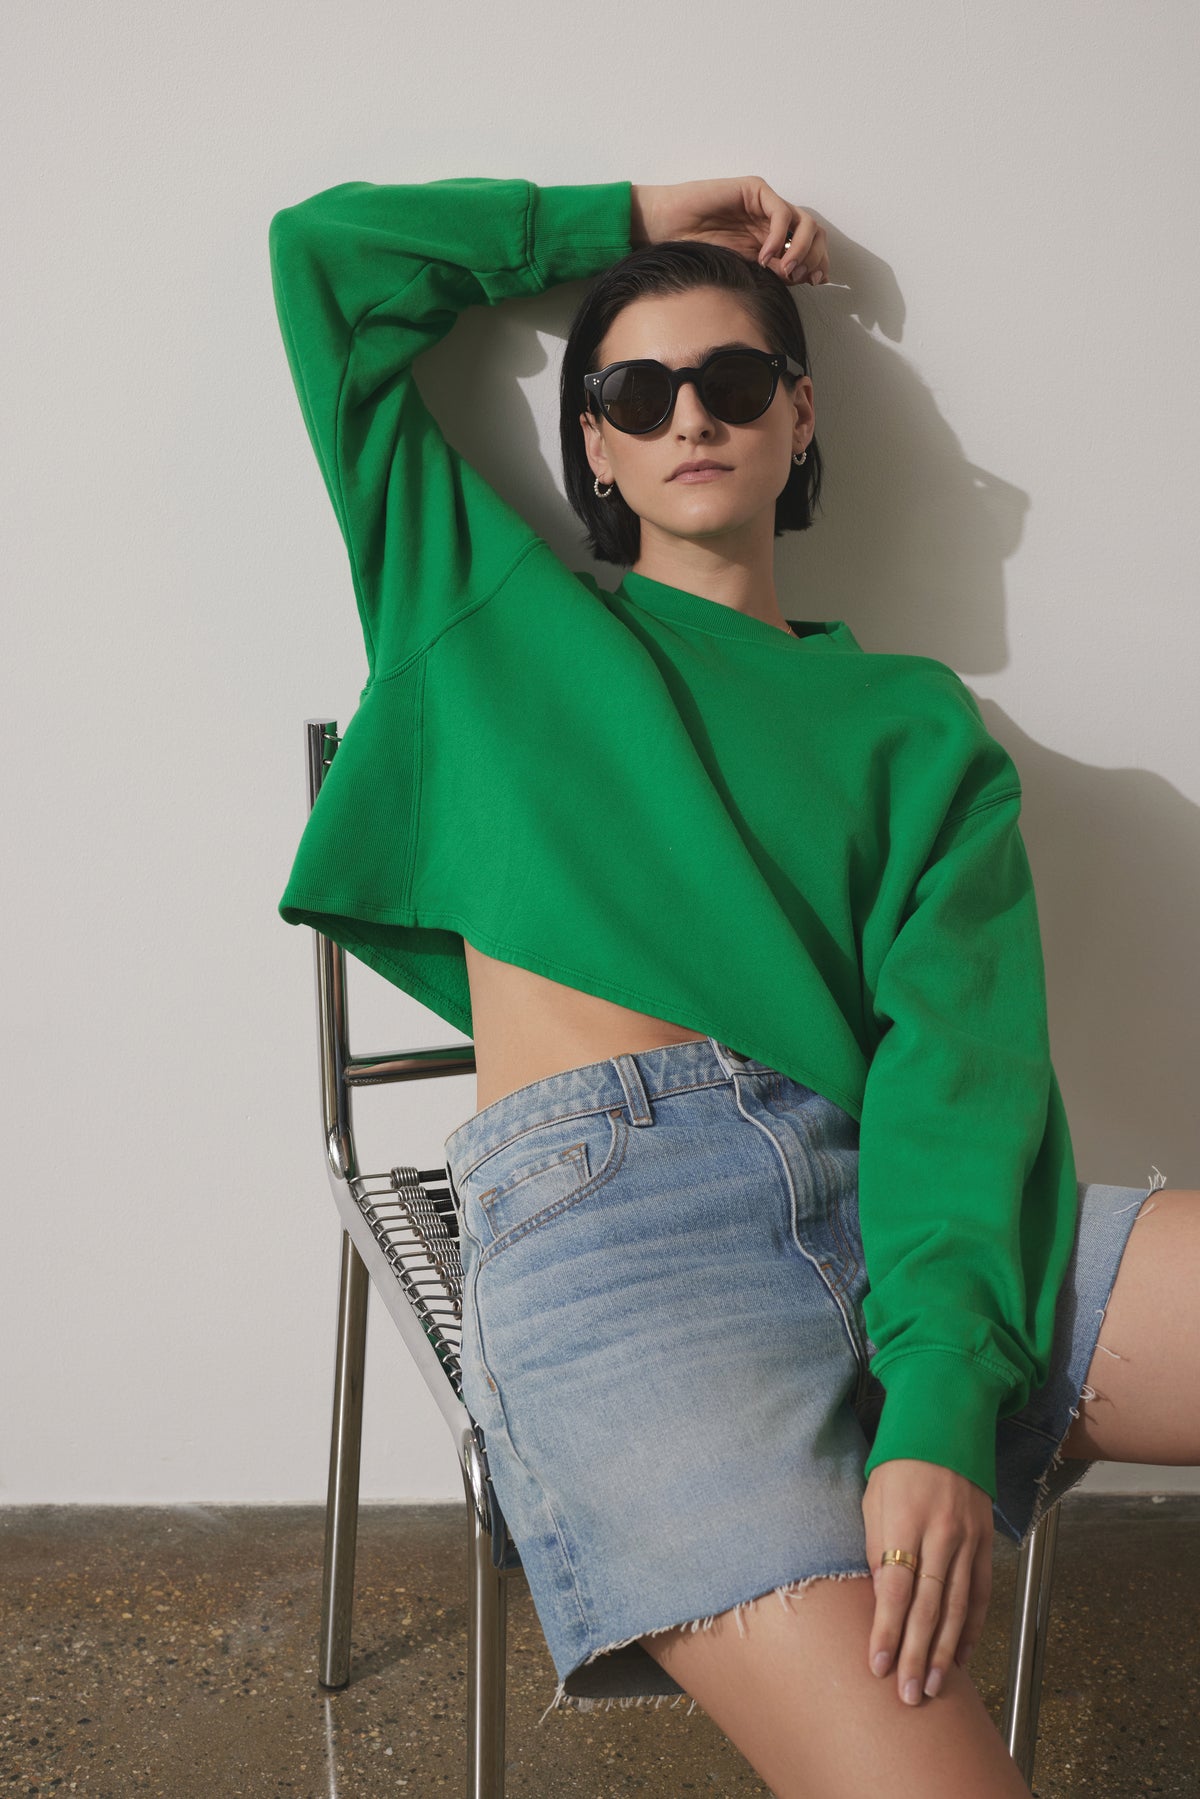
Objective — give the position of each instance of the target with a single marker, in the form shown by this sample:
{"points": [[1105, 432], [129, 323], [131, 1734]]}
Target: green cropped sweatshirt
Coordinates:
{"points": [[807, 850]]}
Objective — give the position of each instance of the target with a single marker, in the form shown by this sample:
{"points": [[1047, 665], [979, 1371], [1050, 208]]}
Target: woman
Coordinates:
{"points": [[781, 1290]]}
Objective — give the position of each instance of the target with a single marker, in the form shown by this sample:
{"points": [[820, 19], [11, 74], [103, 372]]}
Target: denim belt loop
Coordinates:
{"points": [[636, 1097]]}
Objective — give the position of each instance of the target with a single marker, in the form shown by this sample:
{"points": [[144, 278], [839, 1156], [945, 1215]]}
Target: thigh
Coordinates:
{"points": [[1142, 1380], [796, 1697], [1033, 1470]]}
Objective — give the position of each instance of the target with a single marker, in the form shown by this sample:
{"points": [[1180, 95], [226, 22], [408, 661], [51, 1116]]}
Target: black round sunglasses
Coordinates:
{"points": [[735, 386]]}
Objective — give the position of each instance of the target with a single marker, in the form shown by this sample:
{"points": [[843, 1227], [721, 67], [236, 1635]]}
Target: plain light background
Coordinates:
{"points": [[1006, 395]]}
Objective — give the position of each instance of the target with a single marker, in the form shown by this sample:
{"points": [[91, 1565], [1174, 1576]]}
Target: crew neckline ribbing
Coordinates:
{"points": [[688, 608]]}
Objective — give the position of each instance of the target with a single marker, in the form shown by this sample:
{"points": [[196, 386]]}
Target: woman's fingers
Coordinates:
{"points": [[795, 245], [894, 1594], [780, 215], [920, 1628], [805, 257], [931, 1660], [907, 1616], [924, 1624]]}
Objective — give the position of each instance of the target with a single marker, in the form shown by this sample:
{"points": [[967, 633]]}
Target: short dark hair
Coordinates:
{"points": [[613, 528]]}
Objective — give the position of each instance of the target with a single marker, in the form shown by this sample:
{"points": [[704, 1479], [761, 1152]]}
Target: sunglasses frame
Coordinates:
{"points": [[777, 363]]}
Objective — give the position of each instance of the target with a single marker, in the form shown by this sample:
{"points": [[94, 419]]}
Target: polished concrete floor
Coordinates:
{"points": [[172, 1651]]}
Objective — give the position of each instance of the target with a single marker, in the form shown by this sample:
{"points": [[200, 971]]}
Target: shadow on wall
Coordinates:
{"points": [[1115, 853]]}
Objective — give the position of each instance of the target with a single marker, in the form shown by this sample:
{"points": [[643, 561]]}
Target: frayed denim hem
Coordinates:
{"points": [[1049, 1491], [564, 1701]]}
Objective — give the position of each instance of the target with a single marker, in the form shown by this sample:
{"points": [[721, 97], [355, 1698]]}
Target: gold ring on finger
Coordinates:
{"points": [[905, 1556]]}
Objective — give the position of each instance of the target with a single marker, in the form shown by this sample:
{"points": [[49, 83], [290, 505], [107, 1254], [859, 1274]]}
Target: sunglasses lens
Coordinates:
{"points": [[635, 399], [737, 388]]}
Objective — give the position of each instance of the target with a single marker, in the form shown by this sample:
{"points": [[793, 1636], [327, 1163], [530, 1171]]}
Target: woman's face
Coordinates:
{"points": [[680, 330]]}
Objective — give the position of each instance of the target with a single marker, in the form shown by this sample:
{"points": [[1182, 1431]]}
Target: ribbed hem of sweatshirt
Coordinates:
{"points": [[941, 1407], [574, 230]]}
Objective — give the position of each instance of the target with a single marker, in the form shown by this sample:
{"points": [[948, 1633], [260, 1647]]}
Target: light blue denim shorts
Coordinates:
{"points": [[664, 1347]]}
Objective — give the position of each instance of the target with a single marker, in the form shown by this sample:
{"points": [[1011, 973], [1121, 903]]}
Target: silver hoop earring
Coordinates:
{"points": [[799, 460], [608, 491]]}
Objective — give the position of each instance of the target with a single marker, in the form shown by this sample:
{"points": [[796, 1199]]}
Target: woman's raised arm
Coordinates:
{"points": [[365, 277]]}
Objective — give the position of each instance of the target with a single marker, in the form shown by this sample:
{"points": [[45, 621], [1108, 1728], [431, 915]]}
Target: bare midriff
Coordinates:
{"points": [[526, 1027]]}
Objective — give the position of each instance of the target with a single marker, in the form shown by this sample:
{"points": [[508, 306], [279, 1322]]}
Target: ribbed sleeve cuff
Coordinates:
{"points": [[577, 231], [941, 1407]]}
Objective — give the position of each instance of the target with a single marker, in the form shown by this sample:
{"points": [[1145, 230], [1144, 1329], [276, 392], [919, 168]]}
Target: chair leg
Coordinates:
{"points": [[345, 1450], [1027, 1645], [487, 1630]]}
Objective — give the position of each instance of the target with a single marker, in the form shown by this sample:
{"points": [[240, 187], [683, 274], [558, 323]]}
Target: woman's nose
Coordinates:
{"points": [[689, 407]]}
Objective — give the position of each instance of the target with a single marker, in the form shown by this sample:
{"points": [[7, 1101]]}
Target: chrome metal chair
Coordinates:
{"points": [[400, 1233]]}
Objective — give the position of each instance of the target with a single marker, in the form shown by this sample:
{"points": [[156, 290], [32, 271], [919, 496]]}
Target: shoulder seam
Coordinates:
{"points": [[997, 799], [526, 549]]}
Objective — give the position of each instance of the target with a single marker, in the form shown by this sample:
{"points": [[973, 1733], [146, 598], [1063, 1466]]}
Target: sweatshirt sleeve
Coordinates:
{"points": [[365, 277], [967, 1185]]}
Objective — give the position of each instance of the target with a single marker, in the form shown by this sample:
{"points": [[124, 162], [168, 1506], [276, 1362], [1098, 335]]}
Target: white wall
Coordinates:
{"points": [[1006, 397]]}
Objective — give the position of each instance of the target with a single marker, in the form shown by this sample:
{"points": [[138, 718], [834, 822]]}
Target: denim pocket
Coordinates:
{"points": [[539, 1173], [561, 1168]]}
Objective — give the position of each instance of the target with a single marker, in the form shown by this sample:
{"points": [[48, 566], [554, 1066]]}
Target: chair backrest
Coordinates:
{"points": [[404, 1221]]}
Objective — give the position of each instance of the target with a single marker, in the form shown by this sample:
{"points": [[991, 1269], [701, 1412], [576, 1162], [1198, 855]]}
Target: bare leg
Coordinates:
{"points": [[796, 1696], [1145, 1373]]}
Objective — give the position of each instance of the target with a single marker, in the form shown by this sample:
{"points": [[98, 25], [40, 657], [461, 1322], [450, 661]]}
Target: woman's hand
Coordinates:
{"points": [[740, 212], [946, 1520]]}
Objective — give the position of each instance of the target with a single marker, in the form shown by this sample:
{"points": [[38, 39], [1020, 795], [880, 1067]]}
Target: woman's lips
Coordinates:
{"points": [[702, 474]]}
